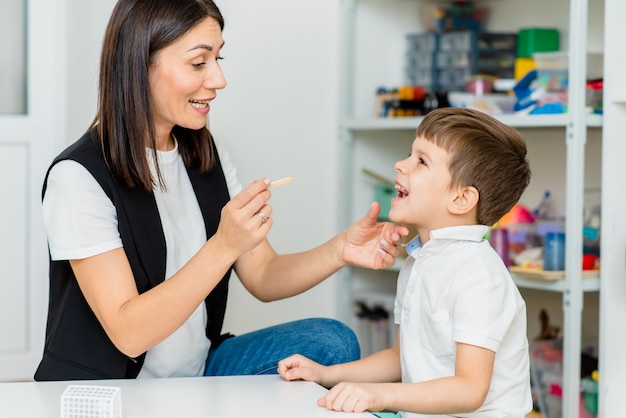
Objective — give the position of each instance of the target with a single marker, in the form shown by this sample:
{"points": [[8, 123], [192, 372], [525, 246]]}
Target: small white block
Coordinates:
{"points": [[86, 401]]}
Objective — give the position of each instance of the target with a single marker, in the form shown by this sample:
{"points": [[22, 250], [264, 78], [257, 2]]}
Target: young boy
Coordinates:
{"points": [[461, 347]]}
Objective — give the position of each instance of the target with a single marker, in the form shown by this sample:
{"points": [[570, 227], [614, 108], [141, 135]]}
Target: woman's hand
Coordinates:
{"points": [[246, 219], [373, 244]]}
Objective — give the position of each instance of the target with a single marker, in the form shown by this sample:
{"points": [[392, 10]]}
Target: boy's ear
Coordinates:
{"points": [[465, 201]]}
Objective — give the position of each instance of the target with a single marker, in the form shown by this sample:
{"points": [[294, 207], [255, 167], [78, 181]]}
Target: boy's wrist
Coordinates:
{"points": [[329, 376]]}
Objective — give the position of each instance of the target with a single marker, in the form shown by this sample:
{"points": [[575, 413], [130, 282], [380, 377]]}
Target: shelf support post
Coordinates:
{"points": [[576, 137], [346, 89]]}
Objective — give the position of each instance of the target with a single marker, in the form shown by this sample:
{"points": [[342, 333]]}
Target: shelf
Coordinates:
{"points": [[590, 282], [383, 22], [411, 123]]}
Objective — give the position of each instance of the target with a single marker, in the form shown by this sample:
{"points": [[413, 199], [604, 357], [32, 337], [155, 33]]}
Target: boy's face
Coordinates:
{"points": [[423, 181]]}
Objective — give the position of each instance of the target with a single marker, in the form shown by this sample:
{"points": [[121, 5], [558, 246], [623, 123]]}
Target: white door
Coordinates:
{"points": [[30, 122]]}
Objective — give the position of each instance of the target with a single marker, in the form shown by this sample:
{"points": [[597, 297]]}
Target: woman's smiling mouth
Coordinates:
{"points": [[199, 104]]}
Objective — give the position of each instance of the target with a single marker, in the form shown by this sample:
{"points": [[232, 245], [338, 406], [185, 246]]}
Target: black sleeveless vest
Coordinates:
{"points": [[76, 346]]}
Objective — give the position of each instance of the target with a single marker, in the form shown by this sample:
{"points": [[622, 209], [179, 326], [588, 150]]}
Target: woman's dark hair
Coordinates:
{"points": [[136, 32]]}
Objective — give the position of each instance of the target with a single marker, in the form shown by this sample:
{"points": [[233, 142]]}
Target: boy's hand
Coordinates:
{"points": [[298, 367], [353, 397], [373, 244]]}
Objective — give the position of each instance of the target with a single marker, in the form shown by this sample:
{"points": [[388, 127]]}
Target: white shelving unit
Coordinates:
{"points": [[381, 25], [613, 281]]}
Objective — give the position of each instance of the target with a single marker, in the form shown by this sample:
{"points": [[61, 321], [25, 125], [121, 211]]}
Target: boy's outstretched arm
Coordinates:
{"points": [[383, 366], [464, 392]]}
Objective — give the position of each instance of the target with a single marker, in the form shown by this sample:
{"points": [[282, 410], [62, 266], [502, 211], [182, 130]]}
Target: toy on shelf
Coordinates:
{"points": [[407, 101], [460, 15]]}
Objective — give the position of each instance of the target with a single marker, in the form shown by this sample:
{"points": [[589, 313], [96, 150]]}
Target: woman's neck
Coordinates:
{"points": [[165, 142]]}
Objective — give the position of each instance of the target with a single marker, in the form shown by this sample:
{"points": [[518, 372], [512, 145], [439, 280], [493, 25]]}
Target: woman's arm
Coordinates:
{"points": [[367, 243], [136, 323]]}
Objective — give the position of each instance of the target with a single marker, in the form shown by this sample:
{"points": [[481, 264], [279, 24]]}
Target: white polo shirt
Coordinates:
{"points": [[456, 289]]}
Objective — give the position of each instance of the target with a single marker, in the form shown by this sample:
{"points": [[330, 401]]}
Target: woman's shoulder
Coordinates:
{"points": [[83, 148], [81, 157]]}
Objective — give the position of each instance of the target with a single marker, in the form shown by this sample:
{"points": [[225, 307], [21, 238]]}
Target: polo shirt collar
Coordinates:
{"points": [[458, 233]]}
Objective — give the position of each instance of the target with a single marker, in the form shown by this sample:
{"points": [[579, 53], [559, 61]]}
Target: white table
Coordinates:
{"points": [[265, 396]]}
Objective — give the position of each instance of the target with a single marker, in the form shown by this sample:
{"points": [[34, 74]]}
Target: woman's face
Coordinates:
{"points": [[184, 78]]}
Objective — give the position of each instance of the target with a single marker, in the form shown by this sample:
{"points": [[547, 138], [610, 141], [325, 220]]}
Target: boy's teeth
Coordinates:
{"points": [[401, 191]]}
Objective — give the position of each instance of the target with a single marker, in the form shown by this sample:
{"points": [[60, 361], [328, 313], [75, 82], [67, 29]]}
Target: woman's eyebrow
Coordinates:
{"points": [[204, 46]]}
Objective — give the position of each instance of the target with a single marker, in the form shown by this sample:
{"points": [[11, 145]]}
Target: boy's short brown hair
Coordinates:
{"points": [[484, 153]]}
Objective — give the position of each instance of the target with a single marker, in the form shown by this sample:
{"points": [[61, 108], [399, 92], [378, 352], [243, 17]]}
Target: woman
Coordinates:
{"points": [[146, 219]]}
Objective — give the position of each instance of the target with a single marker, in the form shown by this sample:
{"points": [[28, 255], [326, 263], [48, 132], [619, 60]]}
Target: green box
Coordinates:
{"points": [[589, 389], [383, 195], [531, 40]]}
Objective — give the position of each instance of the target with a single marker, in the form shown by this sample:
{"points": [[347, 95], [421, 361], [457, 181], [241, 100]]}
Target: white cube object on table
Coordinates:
{"points": [[87, 401]]}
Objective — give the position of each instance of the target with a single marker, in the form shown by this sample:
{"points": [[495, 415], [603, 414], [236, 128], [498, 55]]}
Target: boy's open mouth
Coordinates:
{"points": [[402, 192]]}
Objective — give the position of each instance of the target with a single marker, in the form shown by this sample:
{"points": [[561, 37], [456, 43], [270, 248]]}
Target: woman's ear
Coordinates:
{"points": [[465, 201]]}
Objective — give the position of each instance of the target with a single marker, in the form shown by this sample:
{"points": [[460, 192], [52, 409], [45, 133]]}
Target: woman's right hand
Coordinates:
{"points": [[245, 219]]}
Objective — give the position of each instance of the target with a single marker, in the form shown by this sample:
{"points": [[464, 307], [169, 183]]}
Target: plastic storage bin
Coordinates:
{"points": [[443, 61], [420, 59], [552, 70], [589, 389], [531, 40], [546, 368], [494, 104]]}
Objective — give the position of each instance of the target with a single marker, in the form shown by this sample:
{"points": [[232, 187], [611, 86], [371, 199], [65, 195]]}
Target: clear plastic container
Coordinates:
{"points": [[493, 104], [546, 368], [552, 70]]}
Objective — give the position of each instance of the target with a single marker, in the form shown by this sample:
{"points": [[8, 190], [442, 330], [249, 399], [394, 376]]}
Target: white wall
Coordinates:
{"points": [[277, 117], [13, 53], [86, 21]]}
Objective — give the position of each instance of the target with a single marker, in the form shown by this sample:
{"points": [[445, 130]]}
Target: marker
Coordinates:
{"points": [[280, 182]]}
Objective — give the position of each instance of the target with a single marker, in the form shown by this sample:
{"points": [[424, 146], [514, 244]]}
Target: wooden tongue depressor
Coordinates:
{"points": [[280, 182]]}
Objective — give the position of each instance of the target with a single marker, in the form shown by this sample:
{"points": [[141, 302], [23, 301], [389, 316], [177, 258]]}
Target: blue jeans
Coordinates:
{"points": [[324, 341]]}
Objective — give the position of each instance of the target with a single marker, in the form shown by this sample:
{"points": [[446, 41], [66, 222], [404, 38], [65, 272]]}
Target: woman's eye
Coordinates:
{"points": [[198, 65], [219, 57], [421, 161]]}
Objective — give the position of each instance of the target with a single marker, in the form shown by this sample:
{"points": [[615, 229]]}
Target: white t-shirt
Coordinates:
{"points": [[456, 289], [81, 222]]}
